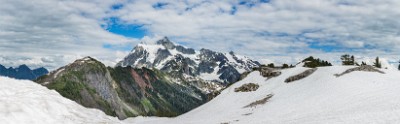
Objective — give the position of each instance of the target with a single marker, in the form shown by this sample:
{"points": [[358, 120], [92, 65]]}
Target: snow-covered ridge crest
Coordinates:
{"points": [[23, 101], [371, 60], [358, 97]]}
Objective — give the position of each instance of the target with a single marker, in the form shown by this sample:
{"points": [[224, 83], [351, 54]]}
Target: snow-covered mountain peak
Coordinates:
{"points": [[166, 43], [168, 56]]}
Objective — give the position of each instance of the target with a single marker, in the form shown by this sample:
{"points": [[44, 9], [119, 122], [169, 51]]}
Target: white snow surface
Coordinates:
{"points": [[354, 98], [25, 102], [384, 62]]}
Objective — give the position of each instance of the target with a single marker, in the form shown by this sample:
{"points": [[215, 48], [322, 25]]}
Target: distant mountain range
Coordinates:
{"points": [[161, 79], [22, 72]]}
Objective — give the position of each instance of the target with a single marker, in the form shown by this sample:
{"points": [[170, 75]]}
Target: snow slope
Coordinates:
{"points": [[357, 97], [25, 102]]}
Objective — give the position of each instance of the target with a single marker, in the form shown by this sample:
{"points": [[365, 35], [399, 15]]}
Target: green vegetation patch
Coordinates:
{"points": [[67, 86]]}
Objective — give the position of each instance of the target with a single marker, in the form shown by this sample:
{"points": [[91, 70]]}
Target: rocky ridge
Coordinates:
{"points": [[122, 91], [205, 69]]}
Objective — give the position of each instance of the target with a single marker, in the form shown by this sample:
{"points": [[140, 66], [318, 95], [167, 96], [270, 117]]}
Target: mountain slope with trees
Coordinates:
{"points": [[122, 91], [312, 62]]}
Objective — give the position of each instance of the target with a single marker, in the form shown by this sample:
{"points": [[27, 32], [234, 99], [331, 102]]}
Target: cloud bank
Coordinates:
{"points": [[52, 33]]}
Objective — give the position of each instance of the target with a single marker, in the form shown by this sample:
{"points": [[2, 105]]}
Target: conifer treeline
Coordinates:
{"points": [[311, 62]]}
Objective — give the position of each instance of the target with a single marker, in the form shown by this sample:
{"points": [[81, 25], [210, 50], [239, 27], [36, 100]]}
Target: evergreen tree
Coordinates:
{"points": [[311, 62], [377, 63], [271, 65], [399, 65], [285, 66], [363, 63], [352, 60], [347, 59]]}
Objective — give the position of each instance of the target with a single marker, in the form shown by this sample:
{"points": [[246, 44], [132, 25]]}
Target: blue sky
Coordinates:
{"points": [[127, 30], [54, 33]]}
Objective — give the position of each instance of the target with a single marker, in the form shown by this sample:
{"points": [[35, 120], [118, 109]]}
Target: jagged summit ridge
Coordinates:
{"points": [[206, 64]]}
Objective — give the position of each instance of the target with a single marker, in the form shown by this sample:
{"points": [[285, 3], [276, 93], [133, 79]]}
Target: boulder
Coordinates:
{"points": [[269, 72], [366, 68], [247, 87]]}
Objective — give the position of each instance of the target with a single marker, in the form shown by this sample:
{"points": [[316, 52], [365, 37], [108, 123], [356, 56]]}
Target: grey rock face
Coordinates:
{"points": [[166, 43], [162, 54], [103, 84], [206, 67], [269, 72], [180, 64], [138, 56], [247, 87], [209, 60], [247, 64], [229, 74], [185, 50], [98, 85], [260, 102], [209, 55], [301, 75]]}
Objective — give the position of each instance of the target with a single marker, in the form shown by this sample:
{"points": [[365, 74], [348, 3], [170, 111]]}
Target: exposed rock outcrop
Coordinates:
{"points": [[301, 75], [269, 72], [247, 87], [260, 102], [366, 68]]}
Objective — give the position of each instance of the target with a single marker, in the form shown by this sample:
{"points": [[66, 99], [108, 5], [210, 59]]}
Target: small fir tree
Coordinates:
{"points": [[345, 59], [352, 60], [399, 65], [285, 66], [363, 63], [377, 63], [271, 65]]}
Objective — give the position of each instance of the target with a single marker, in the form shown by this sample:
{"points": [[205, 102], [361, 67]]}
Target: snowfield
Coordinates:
{"points": [[25, 102], [357, 97], [354, 98]]}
